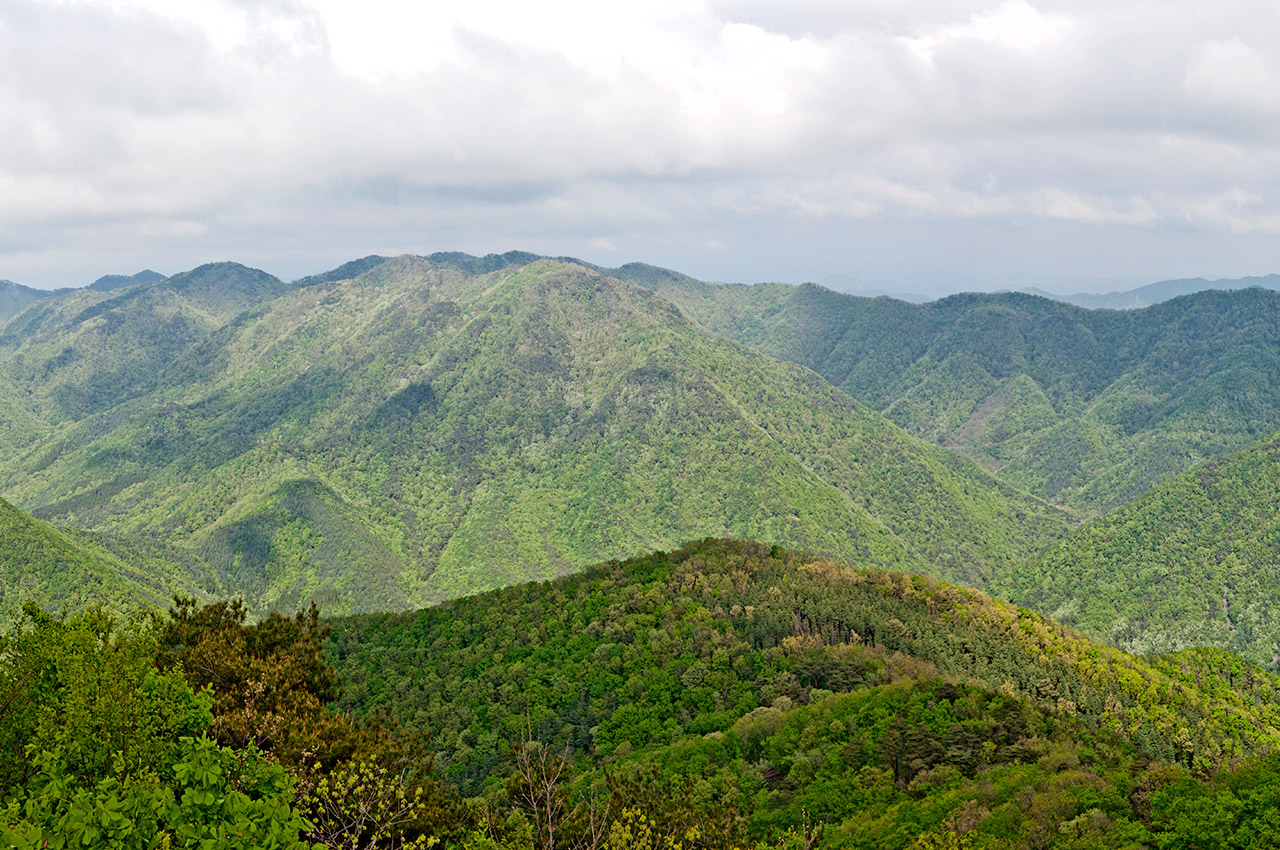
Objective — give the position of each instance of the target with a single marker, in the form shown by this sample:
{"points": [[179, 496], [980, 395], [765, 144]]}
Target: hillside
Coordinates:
{"points": [[1085, 408], [1196, 562], [86, 352], [748, 690], [108, 282], [14, 297], [435, 427], [59, 568]]}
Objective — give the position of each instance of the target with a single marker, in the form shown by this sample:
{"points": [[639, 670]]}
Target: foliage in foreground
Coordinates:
{"points": [[822, 707], [104, 750], [196, 731]]}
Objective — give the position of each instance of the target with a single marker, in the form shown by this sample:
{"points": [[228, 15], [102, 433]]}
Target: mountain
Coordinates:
{"points": [[346, 271], [853, 286], [62, 569], [748, 690], [1155, 293], [14, 297], [108, 282], [1085, 408], [87, 352], [1196, 562], [435, 427]]}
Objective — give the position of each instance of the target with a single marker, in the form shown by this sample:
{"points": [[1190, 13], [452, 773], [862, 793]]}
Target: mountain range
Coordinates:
{"points": [[1084, 408], [399, 431], [502, 442], [1155, 293], [429, 428]]}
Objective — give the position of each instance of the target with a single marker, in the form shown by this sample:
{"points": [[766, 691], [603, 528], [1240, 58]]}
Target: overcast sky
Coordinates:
{"points": [[922, 145]]}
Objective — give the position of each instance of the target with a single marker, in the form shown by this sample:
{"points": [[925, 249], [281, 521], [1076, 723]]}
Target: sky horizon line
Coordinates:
{"points": [[916, 145], [839, 281]]}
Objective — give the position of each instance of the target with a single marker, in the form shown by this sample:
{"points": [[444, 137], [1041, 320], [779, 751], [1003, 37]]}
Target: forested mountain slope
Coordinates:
{"points": [[85, 353], [1086, 408], [1196, 562], [748, 690], [60, 568], [434, 427], [14, 297], [108, 282]]}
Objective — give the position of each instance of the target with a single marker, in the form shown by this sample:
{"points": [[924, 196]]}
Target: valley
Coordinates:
{"points": [[421, 432], [759, 549]]}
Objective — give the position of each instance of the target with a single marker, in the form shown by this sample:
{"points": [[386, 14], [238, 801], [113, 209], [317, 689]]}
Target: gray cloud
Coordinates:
{"points": [[736, 139]]}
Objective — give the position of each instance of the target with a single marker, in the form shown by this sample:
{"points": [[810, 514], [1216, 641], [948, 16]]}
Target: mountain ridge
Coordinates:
{"points": [[1158, 292], [533, 417], [1118, 400]]}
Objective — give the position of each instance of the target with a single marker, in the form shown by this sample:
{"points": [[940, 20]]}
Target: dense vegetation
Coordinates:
{"points": [[727, 695], [740, 694], [636, 651], [198, 731], [434, 427], [1196, 562], [1088, 408], [62, 569]]}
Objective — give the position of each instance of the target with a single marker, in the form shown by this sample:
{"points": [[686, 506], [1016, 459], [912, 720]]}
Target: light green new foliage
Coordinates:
{"points": [[1125, 399], [1196, 562], [100, 749], [82, 700], [424, 431], [62, 568]]}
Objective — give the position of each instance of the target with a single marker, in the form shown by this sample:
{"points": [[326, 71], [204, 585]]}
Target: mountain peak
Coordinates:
{"points": [[108, 282]]}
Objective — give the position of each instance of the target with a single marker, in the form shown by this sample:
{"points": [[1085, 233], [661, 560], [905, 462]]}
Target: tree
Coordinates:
{"points": [[361, 784]]}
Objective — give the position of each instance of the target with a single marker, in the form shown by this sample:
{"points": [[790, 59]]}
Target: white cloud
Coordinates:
{"points": [[1015, 25], [248, 126]]}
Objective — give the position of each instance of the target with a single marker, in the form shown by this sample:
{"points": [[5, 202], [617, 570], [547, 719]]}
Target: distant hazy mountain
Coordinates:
{"points": [[106, 283], [346, 271], [854, 286], [14, 297], [1155, 293], [436, 426]]}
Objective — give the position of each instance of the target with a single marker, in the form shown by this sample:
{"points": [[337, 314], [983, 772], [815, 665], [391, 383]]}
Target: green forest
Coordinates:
{"points": [[523, 552], [726, 695], [1085, 408]]}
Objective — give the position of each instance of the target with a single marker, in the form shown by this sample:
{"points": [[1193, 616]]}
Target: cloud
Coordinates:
{"points": [[148, 127]]}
